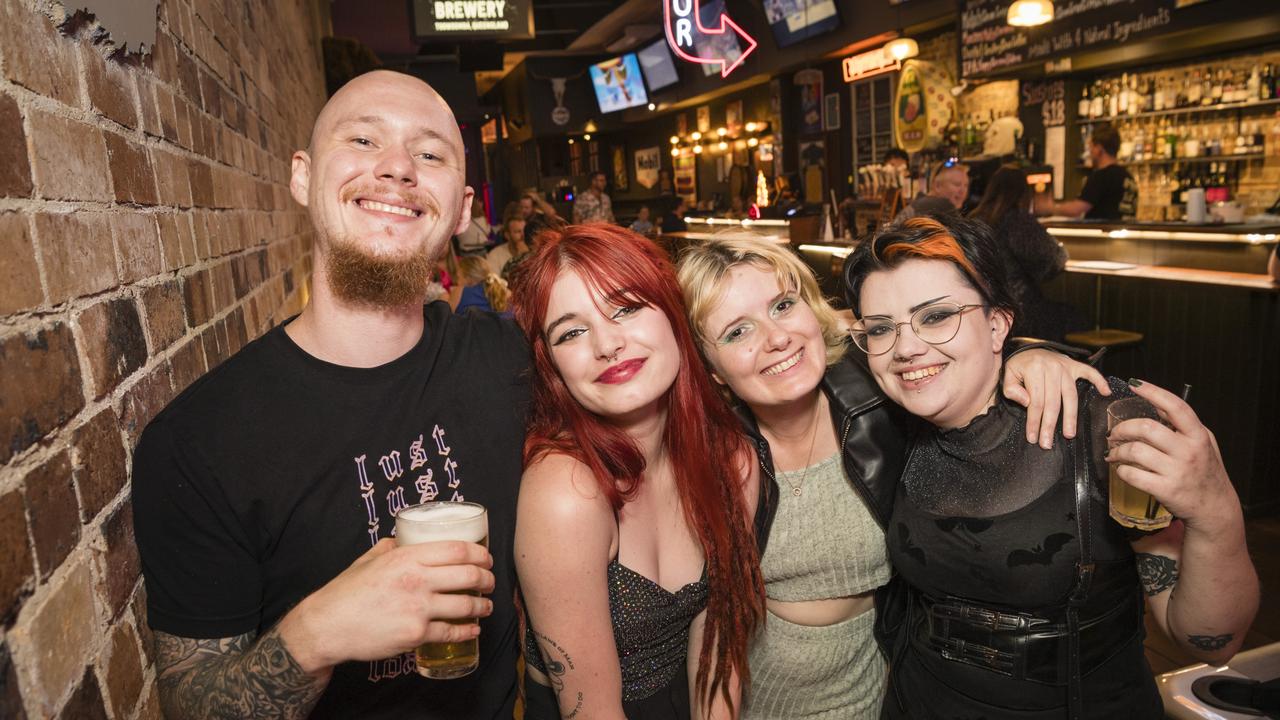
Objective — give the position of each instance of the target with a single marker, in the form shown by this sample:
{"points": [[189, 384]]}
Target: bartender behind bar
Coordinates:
{"points": [[1110, 193]]}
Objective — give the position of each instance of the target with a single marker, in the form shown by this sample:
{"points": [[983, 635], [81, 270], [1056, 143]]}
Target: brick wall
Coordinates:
{"points": [[146, 234]]}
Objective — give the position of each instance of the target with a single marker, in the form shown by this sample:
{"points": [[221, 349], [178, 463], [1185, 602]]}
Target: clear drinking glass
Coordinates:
{"points": [[432, 522], [1130, 506]]}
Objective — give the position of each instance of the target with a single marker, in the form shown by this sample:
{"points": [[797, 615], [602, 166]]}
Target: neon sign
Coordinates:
{"points": [[683, 22]]}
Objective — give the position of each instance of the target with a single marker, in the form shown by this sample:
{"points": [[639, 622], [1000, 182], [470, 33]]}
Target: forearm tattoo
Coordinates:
{"points": [[233, 678], [1157, 573], [557, 662], [1210, 642]]}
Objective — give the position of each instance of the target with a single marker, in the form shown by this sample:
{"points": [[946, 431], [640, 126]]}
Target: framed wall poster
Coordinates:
{"points": [[682, 124], [704, 119], [648, 165], [831, 111], [809, 85], [620, 182], [733, 118]]}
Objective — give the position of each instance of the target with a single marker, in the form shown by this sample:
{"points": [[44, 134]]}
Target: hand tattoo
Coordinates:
{"points": [[1210, 642], [232, 678], [1157, 573]]}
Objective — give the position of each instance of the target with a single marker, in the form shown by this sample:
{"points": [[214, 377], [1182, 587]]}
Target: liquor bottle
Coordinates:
{"points": [[1266, 83], [1194, 89], [1096, 106], [1258, 141], [1082, 108], [1241, 145], [1162, 139], [1122, 101], [1175, 186], [1172, 135], [1216, 88], [1136, 97], [1273, 141], [1191, 147], [1113, 99], [1206, 88], [1157, 100], [1253, 88]]}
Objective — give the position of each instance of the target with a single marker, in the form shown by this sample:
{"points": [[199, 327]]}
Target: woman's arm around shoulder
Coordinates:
{"points": [[565, 538]]}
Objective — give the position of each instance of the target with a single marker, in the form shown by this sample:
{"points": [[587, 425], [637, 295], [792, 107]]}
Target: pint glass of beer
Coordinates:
{"points": [[431, 522], [1130, 506]]}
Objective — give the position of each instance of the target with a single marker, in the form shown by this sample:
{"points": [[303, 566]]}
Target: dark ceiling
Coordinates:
{"points": [[384, 27]]}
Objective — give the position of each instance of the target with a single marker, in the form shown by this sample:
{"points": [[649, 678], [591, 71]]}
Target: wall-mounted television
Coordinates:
{"points": [[796, 20], [659, 69], [618, 83]]}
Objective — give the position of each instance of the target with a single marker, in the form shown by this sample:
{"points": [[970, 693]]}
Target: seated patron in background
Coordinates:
{"points": [[475, 238], [948, 190], [897, 159], [737, 208], [265, 494], [1028, 252], [674, 220], [1018, 594], [1110, 193], [593, 205], [642, 223], [506, 256]]}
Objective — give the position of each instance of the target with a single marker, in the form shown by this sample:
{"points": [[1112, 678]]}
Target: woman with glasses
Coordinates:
{"points": [[1019, 596], [831, 448]]}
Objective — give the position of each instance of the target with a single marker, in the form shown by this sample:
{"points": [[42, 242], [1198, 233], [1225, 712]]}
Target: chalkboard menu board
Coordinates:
{"points": [[990, 46]]}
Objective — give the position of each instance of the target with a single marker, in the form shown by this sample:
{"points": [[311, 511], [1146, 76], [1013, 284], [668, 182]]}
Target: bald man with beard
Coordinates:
{"points": [[265, 494]]}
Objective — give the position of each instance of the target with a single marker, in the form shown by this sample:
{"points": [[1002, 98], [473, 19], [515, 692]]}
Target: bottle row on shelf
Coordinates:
{"points": [[1167, 140], [1133, 94]]}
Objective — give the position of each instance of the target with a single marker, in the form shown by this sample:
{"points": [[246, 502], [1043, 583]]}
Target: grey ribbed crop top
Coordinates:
{"points": [[824, 543]]}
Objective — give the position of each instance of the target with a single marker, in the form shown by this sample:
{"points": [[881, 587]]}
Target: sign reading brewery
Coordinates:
{"points": [[989, 45], [694, 41], [506, 19]]}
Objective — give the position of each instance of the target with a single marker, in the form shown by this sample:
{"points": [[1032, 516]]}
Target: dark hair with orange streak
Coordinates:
{"points": [[703, 438], [966, 244]]}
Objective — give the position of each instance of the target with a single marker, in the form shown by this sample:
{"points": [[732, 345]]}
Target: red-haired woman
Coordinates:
{"points": [[637, 562]]}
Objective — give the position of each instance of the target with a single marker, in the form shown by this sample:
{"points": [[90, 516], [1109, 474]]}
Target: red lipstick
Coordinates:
{"points": [[622, 372]]}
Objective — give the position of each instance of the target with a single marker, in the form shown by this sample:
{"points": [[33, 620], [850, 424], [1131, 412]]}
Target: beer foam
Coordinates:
{"points": [[431, 522]]}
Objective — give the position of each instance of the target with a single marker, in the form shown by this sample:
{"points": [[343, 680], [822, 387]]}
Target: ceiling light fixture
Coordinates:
{"points": [[902, 48], [1029, 13]]}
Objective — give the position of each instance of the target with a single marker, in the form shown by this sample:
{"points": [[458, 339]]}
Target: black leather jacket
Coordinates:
{"points": [[873, 441], [874, 435]]}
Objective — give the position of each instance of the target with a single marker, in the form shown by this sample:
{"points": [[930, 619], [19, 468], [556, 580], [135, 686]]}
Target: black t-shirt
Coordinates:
{"points": [[1112, 194], [672, 222], [273, 472]]}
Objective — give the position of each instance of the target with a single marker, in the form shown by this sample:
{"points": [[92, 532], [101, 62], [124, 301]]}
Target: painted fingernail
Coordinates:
{"points": [[1135, 382]]}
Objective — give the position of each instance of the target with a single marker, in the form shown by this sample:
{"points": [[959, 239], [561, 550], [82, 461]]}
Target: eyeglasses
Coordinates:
{"points": [[935, 324]]}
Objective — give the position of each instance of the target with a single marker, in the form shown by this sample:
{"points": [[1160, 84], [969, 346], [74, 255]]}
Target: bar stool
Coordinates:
{"points": [[1100, 337]]}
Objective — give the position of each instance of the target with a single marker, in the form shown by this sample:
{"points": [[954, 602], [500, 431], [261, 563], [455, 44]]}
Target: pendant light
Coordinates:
{"points": [[902, 48], [1029, 13]]}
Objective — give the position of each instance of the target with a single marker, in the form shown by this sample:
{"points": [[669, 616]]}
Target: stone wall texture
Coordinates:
{"points": [[146, 234]]}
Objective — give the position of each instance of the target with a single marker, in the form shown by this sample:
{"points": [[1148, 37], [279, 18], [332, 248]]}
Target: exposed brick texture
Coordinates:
{"points": [[16, 567], [19, 274], [51, 505], [147, 233], [15, 168], [40, 386]]}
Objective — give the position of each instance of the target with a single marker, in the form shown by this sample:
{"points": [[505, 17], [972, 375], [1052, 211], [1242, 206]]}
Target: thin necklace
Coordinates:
{"points": [[798, 487]]}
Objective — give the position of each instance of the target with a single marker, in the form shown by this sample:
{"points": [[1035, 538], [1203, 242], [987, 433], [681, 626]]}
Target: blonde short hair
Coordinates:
{"points": [[703, 267]]}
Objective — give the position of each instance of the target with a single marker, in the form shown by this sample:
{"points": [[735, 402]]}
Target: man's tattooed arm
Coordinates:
{"points": [[233, 677], [1157, 573]]}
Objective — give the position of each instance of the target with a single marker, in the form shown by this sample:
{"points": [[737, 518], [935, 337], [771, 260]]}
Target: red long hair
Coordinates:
{"points": [[702, 437]]}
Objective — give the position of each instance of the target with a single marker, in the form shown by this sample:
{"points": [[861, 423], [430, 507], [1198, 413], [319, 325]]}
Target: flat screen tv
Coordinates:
{"points": [[618, 83], [659, 69], [796, 20]]}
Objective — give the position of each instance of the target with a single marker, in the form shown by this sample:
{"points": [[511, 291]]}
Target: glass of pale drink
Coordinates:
{"points": [[433, 522], [1130, 506]]}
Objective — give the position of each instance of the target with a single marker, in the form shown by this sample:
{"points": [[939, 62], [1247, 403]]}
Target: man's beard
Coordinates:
{"points": [[360, 278]]}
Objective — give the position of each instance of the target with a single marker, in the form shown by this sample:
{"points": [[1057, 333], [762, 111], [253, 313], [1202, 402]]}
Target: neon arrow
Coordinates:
{"points": [[680, 34]]}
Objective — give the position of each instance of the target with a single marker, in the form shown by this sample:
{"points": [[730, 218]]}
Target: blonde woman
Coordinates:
{"points": [[478, 286], [831, 449]]}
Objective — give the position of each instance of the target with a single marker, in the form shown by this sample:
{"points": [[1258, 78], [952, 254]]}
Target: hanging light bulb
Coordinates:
{"points": [[570, 141], [752, 142], [652, 107], [751, 127], [697, 149], [696, 136], [902, 48], [587, 137], [723, 145], [1028, 13], [675, 140], [722, 132], [675, 152]]}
